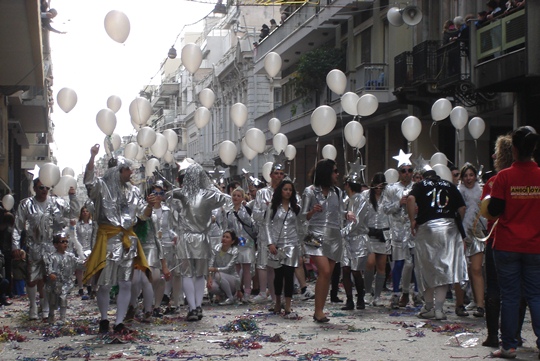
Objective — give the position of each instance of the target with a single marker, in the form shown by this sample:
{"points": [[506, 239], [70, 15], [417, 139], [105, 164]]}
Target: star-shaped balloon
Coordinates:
{"points": [[421, 163], [280, 160], [34, 172], [403, 158], [356, 171]]}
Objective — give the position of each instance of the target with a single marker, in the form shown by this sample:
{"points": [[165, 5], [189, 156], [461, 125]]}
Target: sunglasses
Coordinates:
{"points": [[64, 241], [162, 193], [336, 171], [408, 170], [455, 174], [42, 188]]}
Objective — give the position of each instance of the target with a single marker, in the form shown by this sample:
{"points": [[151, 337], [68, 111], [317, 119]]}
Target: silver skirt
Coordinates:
{"points": [[400, 251], [193, 267], [332, 244], [376, 246], [262, 253], [170, 258], [246, 254], [474, 247], [118, 264], [439, 255], [355, 263], [287, 255]]}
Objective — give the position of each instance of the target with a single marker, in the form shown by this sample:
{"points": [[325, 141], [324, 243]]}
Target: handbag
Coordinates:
{"points": [[382, 235], [313, 240], [249, 229]]}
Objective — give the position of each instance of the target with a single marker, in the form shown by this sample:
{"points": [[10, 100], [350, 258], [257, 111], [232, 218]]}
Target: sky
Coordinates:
{"points": [[88, 61]]}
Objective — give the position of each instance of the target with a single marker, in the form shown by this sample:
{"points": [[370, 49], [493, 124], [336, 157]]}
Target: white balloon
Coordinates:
{"points": [[256, 140], [146, 137], [140, 110], [136, 126], [443, 171], [353, 133], [441, 109], [391, 175], [272, 64], [64, 184], [140, 153], [247, 151], [367, 105], [266, 169], [458, 117], [239, 114], [438, 158], [329, 152], [114, 103], [117, 26], [336, 81], [207, 97], [349, 101], [172, 139], [227, 152], [201, 117], [274, 125], [151, 165], [362, 142], [476, 127], [8, 202], [290, 152], [191, 57], [114, 140], [66, 99], [49, 174], [168, 157], [106, 121], [131, 150], [68, 171], [323, 120], [280, 142], [394, 16], [411, 128], [160, 146]]}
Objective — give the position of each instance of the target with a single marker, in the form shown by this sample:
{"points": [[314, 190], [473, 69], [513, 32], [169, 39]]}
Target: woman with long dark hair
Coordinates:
{"points": [[322, 207], [282, 227], [222, 275]]}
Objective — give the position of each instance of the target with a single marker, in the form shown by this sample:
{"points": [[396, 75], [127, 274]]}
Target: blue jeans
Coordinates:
{"points": [[518, 272]]}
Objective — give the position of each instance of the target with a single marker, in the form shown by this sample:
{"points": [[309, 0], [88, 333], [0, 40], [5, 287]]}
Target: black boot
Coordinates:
{"points": [[349, 305], [334, 298], [360, 303], [104, 326], [493, 308]]}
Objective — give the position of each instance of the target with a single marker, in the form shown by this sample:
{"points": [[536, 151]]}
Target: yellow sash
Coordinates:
{"points": [[96, 261]]}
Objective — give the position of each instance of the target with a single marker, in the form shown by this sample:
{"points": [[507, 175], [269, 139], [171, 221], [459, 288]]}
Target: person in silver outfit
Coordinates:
{"points": [[117, 250], [283, 229], [194, 202], [440, 259], [222, 275], [41, 216], [323, 209], [84, 229]]}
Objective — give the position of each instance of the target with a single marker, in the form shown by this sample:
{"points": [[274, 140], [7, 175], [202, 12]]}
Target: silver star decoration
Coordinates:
{"points": [[356, 170], [279, 160], [403, 158], [34, 172], [421, 163]]}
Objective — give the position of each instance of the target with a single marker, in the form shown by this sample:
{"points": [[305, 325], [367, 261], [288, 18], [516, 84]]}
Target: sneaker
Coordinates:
{"points": [[502, 353], [157, 313], [368, 298], [471, 306], [308, 295], [147, 318], [85, 297], [227, 302], [479, 312], [427, 314], [192, 316], [130, 314], [104, 326], [259, 299], [440, 315], [403, 300], [461, 312], [417, 300], [394, 302], [377, 302], [199, 313]]}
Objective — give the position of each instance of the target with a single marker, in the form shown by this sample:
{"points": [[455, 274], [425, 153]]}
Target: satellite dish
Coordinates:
{"points": [[394, 16], [411, 15]]}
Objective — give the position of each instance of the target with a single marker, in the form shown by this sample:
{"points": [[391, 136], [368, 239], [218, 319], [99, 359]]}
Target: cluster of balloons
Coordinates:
{"points": [[50, 176]]}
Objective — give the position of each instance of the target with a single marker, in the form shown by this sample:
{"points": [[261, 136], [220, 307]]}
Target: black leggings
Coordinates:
{"points": [[284, 273]]}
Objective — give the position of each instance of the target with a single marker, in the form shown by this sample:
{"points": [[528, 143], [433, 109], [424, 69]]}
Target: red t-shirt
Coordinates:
{"points": [[518, 229], [486, 191]]}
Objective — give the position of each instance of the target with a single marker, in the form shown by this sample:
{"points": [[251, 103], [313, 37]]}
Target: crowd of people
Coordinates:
{"points": [[174, 244]]}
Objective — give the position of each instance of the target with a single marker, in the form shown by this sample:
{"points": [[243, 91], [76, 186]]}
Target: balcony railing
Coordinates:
{"points": [[502, 36], [425, 61], [403, 69], [453, 64], [371, 76]]}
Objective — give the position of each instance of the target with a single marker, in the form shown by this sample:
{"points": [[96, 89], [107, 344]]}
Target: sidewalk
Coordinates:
{"points": [[370, 334]]}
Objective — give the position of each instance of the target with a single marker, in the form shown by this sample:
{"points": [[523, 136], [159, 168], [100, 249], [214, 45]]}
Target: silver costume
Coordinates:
{"points": [[400, 226], [225, 262], [150, 242], [194, 203], [63, 266], [325, 225], [219, 224], [241, 223], [355, 235], [162, 221], [41, 220], [472, 201], [378, 219], [439, 258], [262, 200], [284, 230], [117, 206], [84, 234]]}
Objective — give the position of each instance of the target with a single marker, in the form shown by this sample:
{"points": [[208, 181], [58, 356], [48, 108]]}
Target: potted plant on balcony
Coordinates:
{"points": [[313, 66]]}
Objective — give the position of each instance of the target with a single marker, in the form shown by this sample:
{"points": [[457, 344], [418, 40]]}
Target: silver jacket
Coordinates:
{"points": [[284, 230], [84, 234], [262, 200], [376, 218], [333, 209], [400, 226], [163, 223], [224, 261], [153, 250], [355, 233], [63, 266], [41, 222], [242, 230]]}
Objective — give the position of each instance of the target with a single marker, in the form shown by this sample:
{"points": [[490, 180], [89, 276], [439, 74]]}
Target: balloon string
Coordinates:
{"points": [[430, 137], [409, 147], [343, 137]]}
